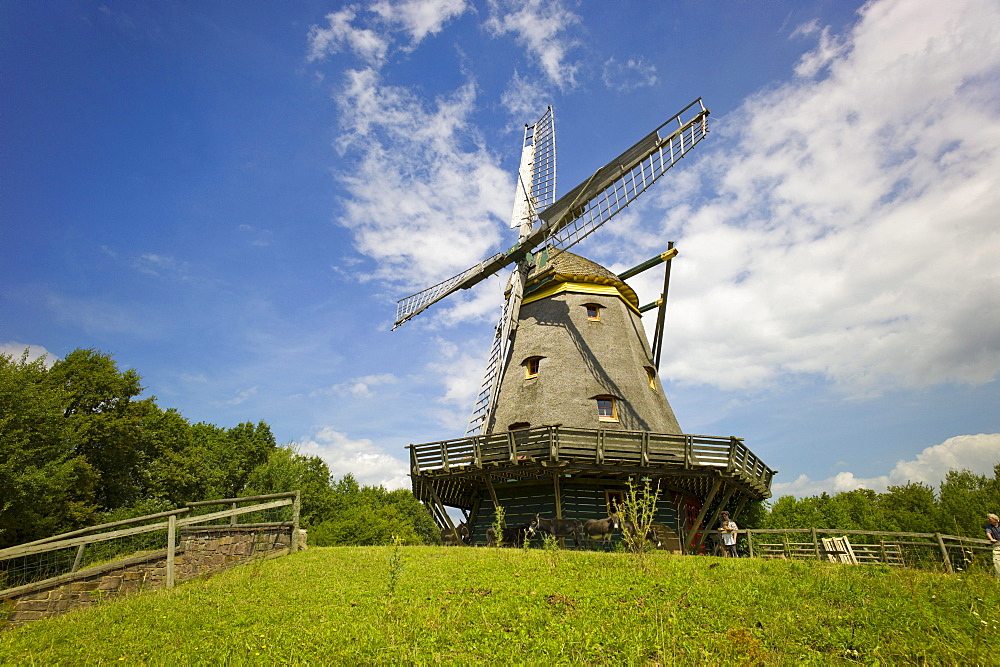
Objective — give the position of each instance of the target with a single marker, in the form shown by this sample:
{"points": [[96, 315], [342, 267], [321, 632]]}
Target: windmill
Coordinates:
{"points": [[546, 224], [570, 441]]}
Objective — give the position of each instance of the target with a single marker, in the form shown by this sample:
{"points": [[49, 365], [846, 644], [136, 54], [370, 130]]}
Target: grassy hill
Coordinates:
{"points": [[349, 605]]}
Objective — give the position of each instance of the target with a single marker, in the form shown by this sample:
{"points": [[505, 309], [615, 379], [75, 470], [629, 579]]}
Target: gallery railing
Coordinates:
{"points": [[554, 444]]}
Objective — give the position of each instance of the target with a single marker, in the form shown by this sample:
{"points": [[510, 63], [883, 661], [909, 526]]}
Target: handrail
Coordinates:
{"points": [[555, 442], [247, 499]]}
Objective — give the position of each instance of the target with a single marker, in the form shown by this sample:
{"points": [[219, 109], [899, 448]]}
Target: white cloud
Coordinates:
{"points": [[977, 453], [460, 371], [538, 26], [243, 396], [636, 72], [15, 350], [362, 386], [366, 461], [525, 97], [852, 228], [426, 198], [369, 34], [419, 18], [341, 35]]}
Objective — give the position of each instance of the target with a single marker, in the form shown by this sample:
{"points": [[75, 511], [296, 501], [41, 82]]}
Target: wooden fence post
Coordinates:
{"points": [[79, 557], [232, 519], [815, 544], [171, 549], [293, 546], [749, 535], [944, 554]]}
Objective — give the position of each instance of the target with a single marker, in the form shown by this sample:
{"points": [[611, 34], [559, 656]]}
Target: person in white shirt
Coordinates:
{"points": [[729, 535]]}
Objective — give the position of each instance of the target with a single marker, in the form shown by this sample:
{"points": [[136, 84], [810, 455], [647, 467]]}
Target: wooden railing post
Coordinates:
{"points": [[79, 557], [816, 544], [944, 554], [293, 545], [171, 548], [233, 520]]}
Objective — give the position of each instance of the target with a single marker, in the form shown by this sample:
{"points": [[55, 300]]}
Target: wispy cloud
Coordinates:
{"points": [[426, 199], [360, 387], [243, 396], [540, 27], [161, 266], [341, 34], [419, 18], [977, 453], [623, 76], [844, 224], [460, 372], [370, 33]]}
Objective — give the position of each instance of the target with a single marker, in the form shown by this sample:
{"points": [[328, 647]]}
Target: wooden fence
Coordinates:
{"points": [[950, 552], [41, 564]]}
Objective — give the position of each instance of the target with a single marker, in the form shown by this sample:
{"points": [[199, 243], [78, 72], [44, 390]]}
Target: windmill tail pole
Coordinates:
{"points": [[662, 313], [649, 263]]}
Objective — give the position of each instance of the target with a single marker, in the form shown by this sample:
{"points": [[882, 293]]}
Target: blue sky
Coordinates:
{"points": [[230, 197]]}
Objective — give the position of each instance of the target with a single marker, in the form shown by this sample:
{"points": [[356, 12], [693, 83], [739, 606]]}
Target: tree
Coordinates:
{"points": [[104, 423], [287, 470], [43, 488]]}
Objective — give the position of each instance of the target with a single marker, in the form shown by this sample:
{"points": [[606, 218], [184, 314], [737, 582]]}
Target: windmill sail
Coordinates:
{"points": [[613, 187], [586, 207], [535, 189]]}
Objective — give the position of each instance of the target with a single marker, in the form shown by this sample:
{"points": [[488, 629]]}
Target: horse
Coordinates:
{"points": [[557, 528], [449, 539], [511, 536], [650, 534], [601, 529]]}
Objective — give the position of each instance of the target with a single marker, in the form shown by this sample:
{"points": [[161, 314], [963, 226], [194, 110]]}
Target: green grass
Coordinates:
{"points": [[351, 605]]}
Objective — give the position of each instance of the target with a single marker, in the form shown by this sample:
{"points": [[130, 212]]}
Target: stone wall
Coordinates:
{"points": [[203, 551]]}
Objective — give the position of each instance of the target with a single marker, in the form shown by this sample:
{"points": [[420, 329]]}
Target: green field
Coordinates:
{"points": [[350, 605]]}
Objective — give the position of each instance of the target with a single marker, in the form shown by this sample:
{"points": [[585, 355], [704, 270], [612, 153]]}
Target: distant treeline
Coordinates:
{"points": [[79, 447], [957, 507]]}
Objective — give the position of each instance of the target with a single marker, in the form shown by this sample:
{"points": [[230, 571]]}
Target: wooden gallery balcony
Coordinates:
{"points": [[454, 469]]}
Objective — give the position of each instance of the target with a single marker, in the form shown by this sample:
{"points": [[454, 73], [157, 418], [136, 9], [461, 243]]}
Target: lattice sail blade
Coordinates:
{"points": [[489, 390], [543, 171], [408, 307], [614, 186], [536, 177]]}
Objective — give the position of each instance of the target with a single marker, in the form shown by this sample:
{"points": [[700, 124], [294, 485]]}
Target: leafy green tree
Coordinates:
{"points": [[287, 470], [966, 498], [363, 515], [910, 508], [104, 422], [43, 487]]}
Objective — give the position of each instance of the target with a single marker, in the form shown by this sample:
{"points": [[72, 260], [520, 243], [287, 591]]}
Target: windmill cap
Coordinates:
{"points": [[564, 266]]}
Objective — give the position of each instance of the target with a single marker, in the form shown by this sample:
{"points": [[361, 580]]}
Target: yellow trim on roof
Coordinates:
{"points": [[558, 287]]}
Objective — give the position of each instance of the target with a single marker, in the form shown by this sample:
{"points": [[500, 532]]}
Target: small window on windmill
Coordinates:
{"points": [[606, 409], [531, 366], [651, 376], [614, 500], [593, 312]]}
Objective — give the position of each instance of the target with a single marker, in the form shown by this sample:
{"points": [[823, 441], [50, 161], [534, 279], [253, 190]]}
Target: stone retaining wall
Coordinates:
{"points": [[203, 551]]}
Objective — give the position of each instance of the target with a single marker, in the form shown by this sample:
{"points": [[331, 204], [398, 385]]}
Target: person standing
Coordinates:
{"points": [[993, 535], [729, 534]]}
